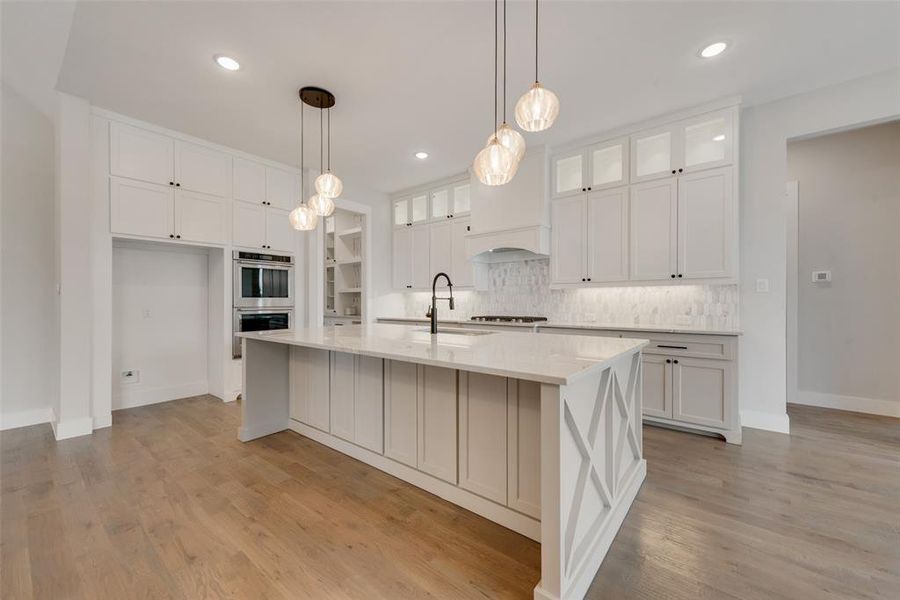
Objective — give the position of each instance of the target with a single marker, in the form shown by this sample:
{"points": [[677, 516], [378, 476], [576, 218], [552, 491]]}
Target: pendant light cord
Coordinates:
{"points": [[302, 191], [495, 67], [329, 138], [535, 40], [504, 61], [321, 141]]}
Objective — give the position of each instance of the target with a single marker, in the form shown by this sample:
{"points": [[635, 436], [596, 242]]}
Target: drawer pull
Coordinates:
{"points": [[672, 347]]}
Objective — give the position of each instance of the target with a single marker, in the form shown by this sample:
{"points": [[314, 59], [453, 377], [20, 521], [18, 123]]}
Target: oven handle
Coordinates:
{"points": [[262, 263]]}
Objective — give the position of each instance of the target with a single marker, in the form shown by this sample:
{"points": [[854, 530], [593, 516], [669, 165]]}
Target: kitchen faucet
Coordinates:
{"points": [[432, 310]]}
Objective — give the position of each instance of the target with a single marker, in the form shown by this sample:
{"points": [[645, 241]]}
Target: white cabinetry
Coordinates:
{"points": [[356, 400], [447, 251], [310, 387], [267, 227], [401, 258], [653, 233], [706, 224], [140, 154], [524, 447], [201, 218], [282, 189], [419, 255], [249, 181], [483, 435], [437, 422], [138, 208], [600, 166], [203, 170], [461, 270], [401, 385], [590, 237]]}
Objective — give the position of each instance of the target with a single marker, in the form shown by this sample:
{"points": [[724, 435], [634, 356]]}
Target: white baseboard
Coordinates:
{"points": [[757, 419], [872, 406], [103, 421], [25, 418], [70, 428], [132, 398]]}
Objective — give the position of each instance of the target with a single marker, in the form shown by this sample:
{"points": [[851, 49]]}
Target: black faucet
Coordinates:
{"points": [[432, 310]]}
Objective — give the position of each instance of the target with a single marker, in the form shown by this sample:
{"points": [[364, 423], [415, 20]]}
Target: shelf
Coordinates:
{"points": [[350, 233], [350, 291], [349, 261]]}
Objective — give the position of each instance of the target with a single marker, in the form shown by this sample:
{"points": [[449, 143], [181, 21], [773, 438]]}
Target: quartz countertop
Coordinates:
{"points": [[546, 357], [691, 329]]}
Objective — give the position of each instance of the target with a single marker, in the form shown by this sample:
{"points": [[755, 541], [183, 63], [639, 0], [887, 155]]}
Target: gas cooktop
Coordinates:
{"points": [[508, 319]]}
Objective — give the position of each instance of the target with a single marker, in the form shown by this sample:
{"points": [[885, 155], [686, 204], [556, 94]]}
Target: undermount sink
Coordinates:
{"points": [[453, 331]]}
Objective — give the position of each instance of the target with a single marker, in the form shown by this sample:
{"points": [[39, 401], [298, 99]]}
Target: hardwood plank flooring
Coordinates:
{"points": [[168, 504]]}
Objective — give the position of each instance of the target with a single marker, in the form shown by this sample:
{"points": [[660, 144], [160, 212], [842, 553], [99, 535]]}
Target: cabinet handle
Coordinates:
{"points": [[680, 171], [589, 278], [171, 183], [673, 171], [583, 189], [672, 347], [468, 228], [675, 361], [178, 236], [672, 276], [679, 275], [177, 185], [668, 360], [589, 189], [172, 235]]}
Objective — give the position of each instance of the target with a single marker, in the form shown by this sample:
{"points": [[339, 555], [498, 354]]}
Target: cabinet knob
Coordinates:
{"points": [[582, 278], [589, 278], [589, 189], [468, 228], [668, 360], [679, 275], [675, 361], [672, 276], [583, 189], [172, 235], [177, 185], [171, 183], [680, 171], [178, 236]]}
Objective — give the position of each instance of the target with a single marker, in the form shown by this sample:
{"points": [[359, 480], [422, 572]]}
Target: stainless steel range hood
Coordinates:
{"points": [[511, 222]]}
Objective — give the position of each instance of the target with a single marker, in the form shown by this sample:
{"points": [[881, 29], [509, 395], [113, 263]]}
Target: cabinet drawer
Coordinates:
{"points": [[698, 346]]}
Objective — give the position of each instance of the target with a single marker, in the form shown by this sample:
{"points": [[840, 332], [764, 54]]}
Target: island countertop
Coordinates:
{"points": [[546, 358]]}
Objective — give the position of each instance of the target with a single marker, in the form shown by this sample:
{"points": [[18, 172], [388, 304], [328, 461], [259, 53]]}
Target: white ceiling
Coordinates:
{"points": [[417, 75]]}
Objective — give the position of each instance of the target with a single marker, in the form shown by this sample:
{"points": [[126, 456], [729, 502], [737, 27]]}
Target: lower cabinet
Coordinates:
{"points": [[400, 411], [524, 447], [310, 387]]}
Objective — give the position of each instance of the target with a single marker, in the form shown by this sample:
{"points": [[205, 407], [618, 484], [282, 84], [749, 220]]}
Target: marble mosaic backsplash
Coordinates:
{"points": [[523, 288]]}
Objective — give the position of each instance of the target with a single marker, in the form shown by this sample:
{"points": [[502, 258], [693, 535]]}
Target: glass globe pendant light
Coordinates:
{"points": [[327, 183], [538, 108], [497, 162], [322, 205], [508, 137], [303, 218]]}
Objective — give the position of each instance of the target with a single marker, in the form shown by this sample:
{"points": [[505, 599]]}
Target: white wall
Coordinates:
{"points": [[849, 211], [29, 299], [160, 322], [765, 131]]}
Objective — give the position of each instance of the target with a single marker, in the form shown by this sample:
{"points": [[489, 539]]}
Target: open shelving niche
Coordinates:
{"points": [[343, 265]]}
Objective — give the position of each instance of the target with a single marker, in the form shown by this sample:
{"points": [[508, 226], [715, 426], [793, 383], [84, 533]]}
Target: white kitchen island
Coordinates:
{"points": [[538, 432]]}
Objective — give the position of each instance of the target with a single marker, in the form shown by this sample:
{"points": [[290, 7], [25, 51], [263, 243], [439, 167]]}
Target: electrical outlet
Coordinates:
{"points": [[146, 313], [130, 376], [762, 286]]}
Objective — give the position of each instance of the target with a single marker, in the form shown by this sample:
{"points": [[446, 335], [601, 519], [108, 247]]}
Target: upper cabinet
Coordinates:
{"points": [[701, 142], [249, 181], [597, 167], [282, 188], [412, 210], [140, 154], [449, 201], [201, 169]]}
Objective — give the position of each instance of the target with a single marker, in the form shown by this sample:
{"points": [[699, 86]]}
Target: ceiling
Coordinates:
{"points": [[412, 76]]}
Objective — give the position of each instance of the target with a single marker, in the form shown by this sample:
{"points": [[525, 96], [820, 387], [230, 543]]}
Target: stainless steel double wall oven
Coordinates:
{"points": [[263, 292]]}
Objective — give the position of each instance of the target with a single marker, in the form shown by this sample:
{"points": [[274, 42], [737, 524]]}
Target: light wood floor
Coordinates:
{"points": [[168, 504]]}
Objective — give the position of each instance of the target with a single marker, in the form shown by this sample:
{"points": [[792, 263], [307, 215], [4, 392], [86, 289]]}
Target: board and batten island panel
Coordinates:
{"points": [[540, 433]]}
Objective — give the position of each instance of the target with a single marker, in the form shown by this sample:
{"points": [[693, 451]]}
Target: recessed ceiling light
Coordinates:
{"points": [[421, 155], [719, 138], [228, 63], [714, 49]]}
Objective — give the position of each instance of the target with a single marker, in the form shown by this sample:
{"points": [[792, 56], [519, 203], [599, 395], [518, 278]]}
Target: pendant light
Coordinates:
{"points": [[538, 108], [302, 218], [508, 137], [321, 203], [495, 164], [327, 183]]}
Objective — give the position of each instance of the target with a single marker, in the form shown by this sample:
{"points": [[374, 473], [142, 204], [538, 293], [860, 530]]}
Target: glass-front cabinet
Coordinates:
{"points": [[412, 210], [701, 142], [596, 167]]}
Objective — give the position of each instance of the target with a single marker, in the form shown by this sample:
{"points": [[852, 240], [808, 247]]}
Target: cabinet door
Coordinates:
{"points": [[310, 387], [203, 170], [702, 391], [400, 409], [440, 204], [401, 213], [440, 248], [568, 240], [249, 181], [608, 164], [369, 409], [462, 201], [607, 225], [707, 141], [568, 174], [402, 259], [202, 218], [421, 270], [482, 435], [279, 233], [706, 224], [652, 154], [282, 188], [437, 422], [418, 211], [248, 225], [461, 271], [140, 154], [139, 208], [524, 448], [656, 386], [653, 230], [343, 395]]}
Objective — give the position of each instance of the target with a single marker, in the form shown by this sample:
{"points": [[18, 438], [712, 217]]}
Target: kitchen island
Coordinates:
{"points": [[538, 432]]}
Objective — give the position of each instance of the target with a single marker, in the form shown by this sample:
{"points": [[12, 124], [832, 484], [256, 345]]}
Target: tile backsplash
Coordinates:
{"points": [[523, 288]]}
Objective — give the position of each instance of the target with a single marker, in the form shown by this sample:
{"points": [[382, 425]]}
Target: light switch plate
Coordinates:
{"points": [[762, 286], [821, 276]]}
